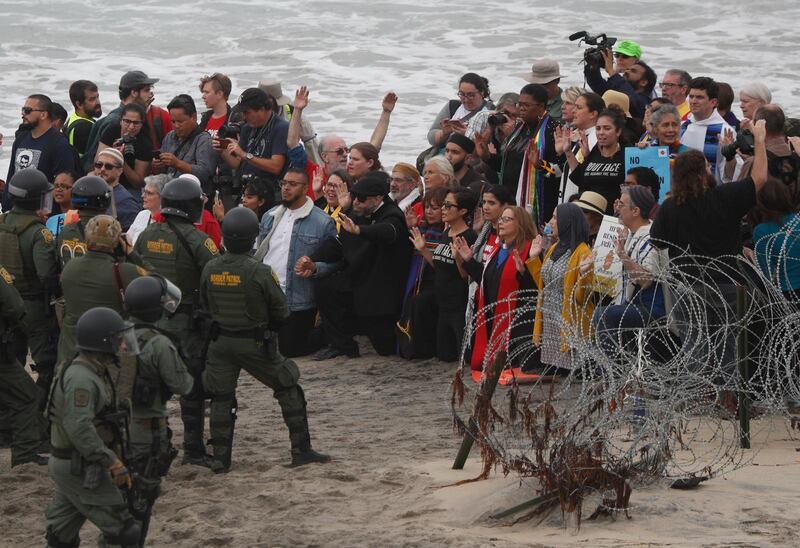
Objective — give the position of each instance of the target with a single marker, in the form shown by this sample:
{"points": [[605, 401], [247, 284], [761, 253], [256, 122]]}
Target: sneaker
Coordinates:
{"points": [[307, 457]]}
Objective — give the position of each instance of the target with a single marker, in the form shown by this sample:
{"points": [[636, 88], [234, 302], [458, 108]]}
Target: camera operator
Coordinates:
{"points": [[490, 130], [628, 74], [782, 162], [187, 148], [134, 144], [260, 152]]}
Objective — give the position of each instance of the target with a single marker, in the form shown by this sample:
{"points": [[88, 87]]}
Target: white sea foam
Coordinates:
{"points": [[351, 52]]}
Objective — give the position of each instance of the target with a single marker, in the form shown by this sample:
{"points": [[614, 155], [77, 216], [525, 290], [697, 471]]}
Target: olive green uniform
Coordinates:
{"points": [[71, 242], [18, 392], [89, 281], [160, 246], [248, 305], [83, 391], [39, 278]]}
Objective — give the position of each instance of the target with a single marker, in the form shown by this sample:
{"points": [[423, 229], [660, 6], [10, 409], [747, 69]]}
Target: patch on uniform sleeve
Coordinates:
{"points": [[48, 236], [6, 275], [82, 397], [142, 271], [211, 246]]}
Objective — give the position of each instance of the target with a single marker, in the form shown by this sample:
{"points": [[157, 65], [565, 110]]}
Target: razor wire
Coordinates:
{"points": [[644, 405]]}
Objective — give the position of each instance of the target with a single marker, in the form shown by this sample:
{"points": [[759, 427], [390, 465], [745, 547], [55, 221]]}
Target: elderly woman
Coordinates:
{"points": [[649, 132], [752, 96], [666, 125], [473, 97], [569, 97], [151, 204], [438, 172]]}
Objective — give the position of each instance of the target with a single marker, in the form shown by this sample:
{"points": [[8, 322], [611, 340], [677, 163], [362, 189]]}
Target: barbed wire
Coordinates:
{"points": [[631, 406]]}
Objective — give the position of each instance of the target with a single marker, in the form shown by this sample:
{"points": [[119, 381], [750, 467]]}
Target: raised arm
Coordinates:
{"points": [[379, 134]]}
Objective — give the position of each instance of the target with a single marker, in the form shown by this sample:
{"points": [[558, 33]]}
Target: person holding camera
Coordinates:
{"points": [[261, 150], [130, 139], [627, 73], [187, 148]]}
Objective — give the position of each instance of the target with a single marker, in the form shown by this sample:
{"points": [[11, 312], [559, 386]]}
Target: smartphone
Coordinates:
{"points": [[157, 154]]}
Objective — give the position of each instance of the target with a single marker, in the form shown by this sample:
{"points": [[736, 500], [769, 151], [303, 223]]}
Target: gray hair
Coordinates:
{"points": [[157, 182], [758, 91], [444, 167], [684, 76], [658, 114], [571, 94], [510, 98]]}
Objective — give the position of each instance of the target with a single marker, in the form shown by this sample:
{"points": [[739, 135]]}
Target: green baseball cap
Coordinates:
{"points": [[629, 48]]}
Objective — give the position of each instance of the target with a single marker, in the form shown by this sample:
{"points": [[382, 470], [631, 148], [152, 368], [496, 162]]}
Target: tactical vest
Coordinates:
{"points": [[147, 385], [164, 250], [11, 253], [228, 299], [71, 242]]}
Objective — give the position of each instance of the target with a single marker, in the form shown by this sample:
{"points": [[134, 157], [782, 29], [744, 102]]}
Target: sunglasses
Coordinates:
{"points": [[28, 110], [99, 165], [358, 196], [622, 55], [341, 151]]}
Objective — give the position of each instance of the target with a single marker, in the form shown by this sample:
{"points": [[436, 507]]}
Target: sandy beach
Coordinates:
{"points": [[387, 425]]}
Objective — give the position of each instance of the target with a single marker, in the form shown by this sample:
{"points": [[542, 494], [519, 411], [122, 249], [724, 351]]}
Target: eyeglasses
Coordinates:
{"points": [[131, 122], [28, 110], [468, 95], [62, 186], [667, 85], [99, 165], [341, 151], [358, 196], [448, 205], [622, 55], [146, 192], [399, 180], [506, 219], [293, 184]]}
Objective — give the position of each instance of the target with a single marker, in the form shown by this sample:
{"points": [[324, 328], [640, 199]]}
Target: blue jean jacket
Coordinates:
{"points": [[310, 229]]}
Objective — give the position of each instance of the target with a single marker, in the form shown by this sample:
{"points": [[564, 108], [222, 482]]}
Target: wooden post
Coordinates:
{"points": [[492, 376], [743, 401]]}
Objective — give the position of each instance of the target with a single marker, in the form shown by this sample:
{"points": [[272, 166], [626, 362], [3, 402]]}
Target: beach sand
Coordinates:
{"points": [[387, 425]]}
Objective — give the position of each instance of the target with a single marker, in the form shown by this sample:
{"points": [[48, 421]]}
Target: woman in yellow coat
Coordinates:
{"points": [[565, 279]]}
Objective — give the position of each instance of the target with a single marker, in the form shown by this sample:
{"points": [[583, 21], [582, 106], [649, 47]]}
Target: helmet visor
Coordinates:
{"points": [[171, 297], [124, 342], [46, 203]]}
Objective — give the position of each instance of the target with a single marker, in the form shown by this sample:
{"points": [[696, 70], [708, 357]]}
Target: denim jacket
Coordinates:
{"points": [[310, 229]]}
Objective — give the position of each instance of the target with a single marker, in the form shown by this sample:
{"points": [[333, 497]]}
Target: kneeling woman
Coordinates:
{"points": [[565, 279], [500, 316]]}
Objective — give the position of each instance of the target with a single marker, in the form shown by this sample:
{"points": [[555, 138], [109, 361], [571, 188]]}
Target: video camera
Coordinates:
{"points": [[593, 57]]}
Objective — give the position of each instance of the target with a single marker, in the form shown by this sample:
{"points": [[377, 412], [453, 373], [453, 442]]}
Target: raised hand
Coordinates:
{"points": [[584, 139], [460, 246], [343, 195], [417, 239], [726, 138], [389, 101], [518, 261], [536, 247], [301, 98], [760, 131], [317, 182], [348, 225], [411, 217]]}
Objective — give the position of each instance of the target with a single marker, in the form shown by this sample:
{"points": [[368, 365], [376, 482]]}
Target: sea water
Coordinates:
{"points": [[350, 53]]}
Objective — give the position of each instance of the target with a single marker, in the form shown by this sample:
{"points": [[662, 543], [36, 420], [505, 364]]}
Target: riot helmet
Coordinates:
{"points": [[102, 233], [147, 297], [101, 329], [30, 189], [91, 192], [239, 229], [182, 198]]}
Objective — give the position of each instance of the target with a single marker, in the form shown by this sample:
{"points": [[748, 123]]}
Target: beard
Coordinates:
{"points": [[458, 165], [289, 203]]}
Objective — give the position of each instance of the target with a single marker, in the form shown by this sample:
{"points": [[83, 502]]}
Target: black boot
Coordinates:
{"points": [[308, 456]]}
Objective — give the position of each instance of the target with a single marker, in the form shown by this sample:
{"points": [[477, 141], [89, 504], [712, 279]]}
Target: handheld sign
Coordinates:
{"points": [[607, 266], [656, 158]]}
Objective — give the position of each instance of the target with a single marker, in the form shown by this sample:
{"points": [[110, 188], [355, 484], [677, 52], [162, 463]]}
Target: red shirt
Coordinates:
{"points": [[165, 126], [208, 224], [214, 124]]}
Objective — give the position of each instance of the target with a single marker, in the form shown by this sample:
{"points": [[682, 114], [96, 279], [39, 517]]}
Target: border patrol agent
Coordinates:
{"points": [[87, 438], [248, 308], [178, 251]]}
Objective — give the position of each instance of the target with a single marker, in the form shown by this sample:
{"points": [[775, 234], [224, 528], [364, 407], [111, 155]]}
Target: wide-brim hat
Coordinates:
{"points": [[613, 97], [275, 91], [543, 72], [592, 201]]}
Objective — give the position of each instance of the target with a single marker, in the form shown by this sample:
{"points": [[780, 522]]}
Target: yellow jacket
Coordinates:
{"points": [[577, 305]]}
